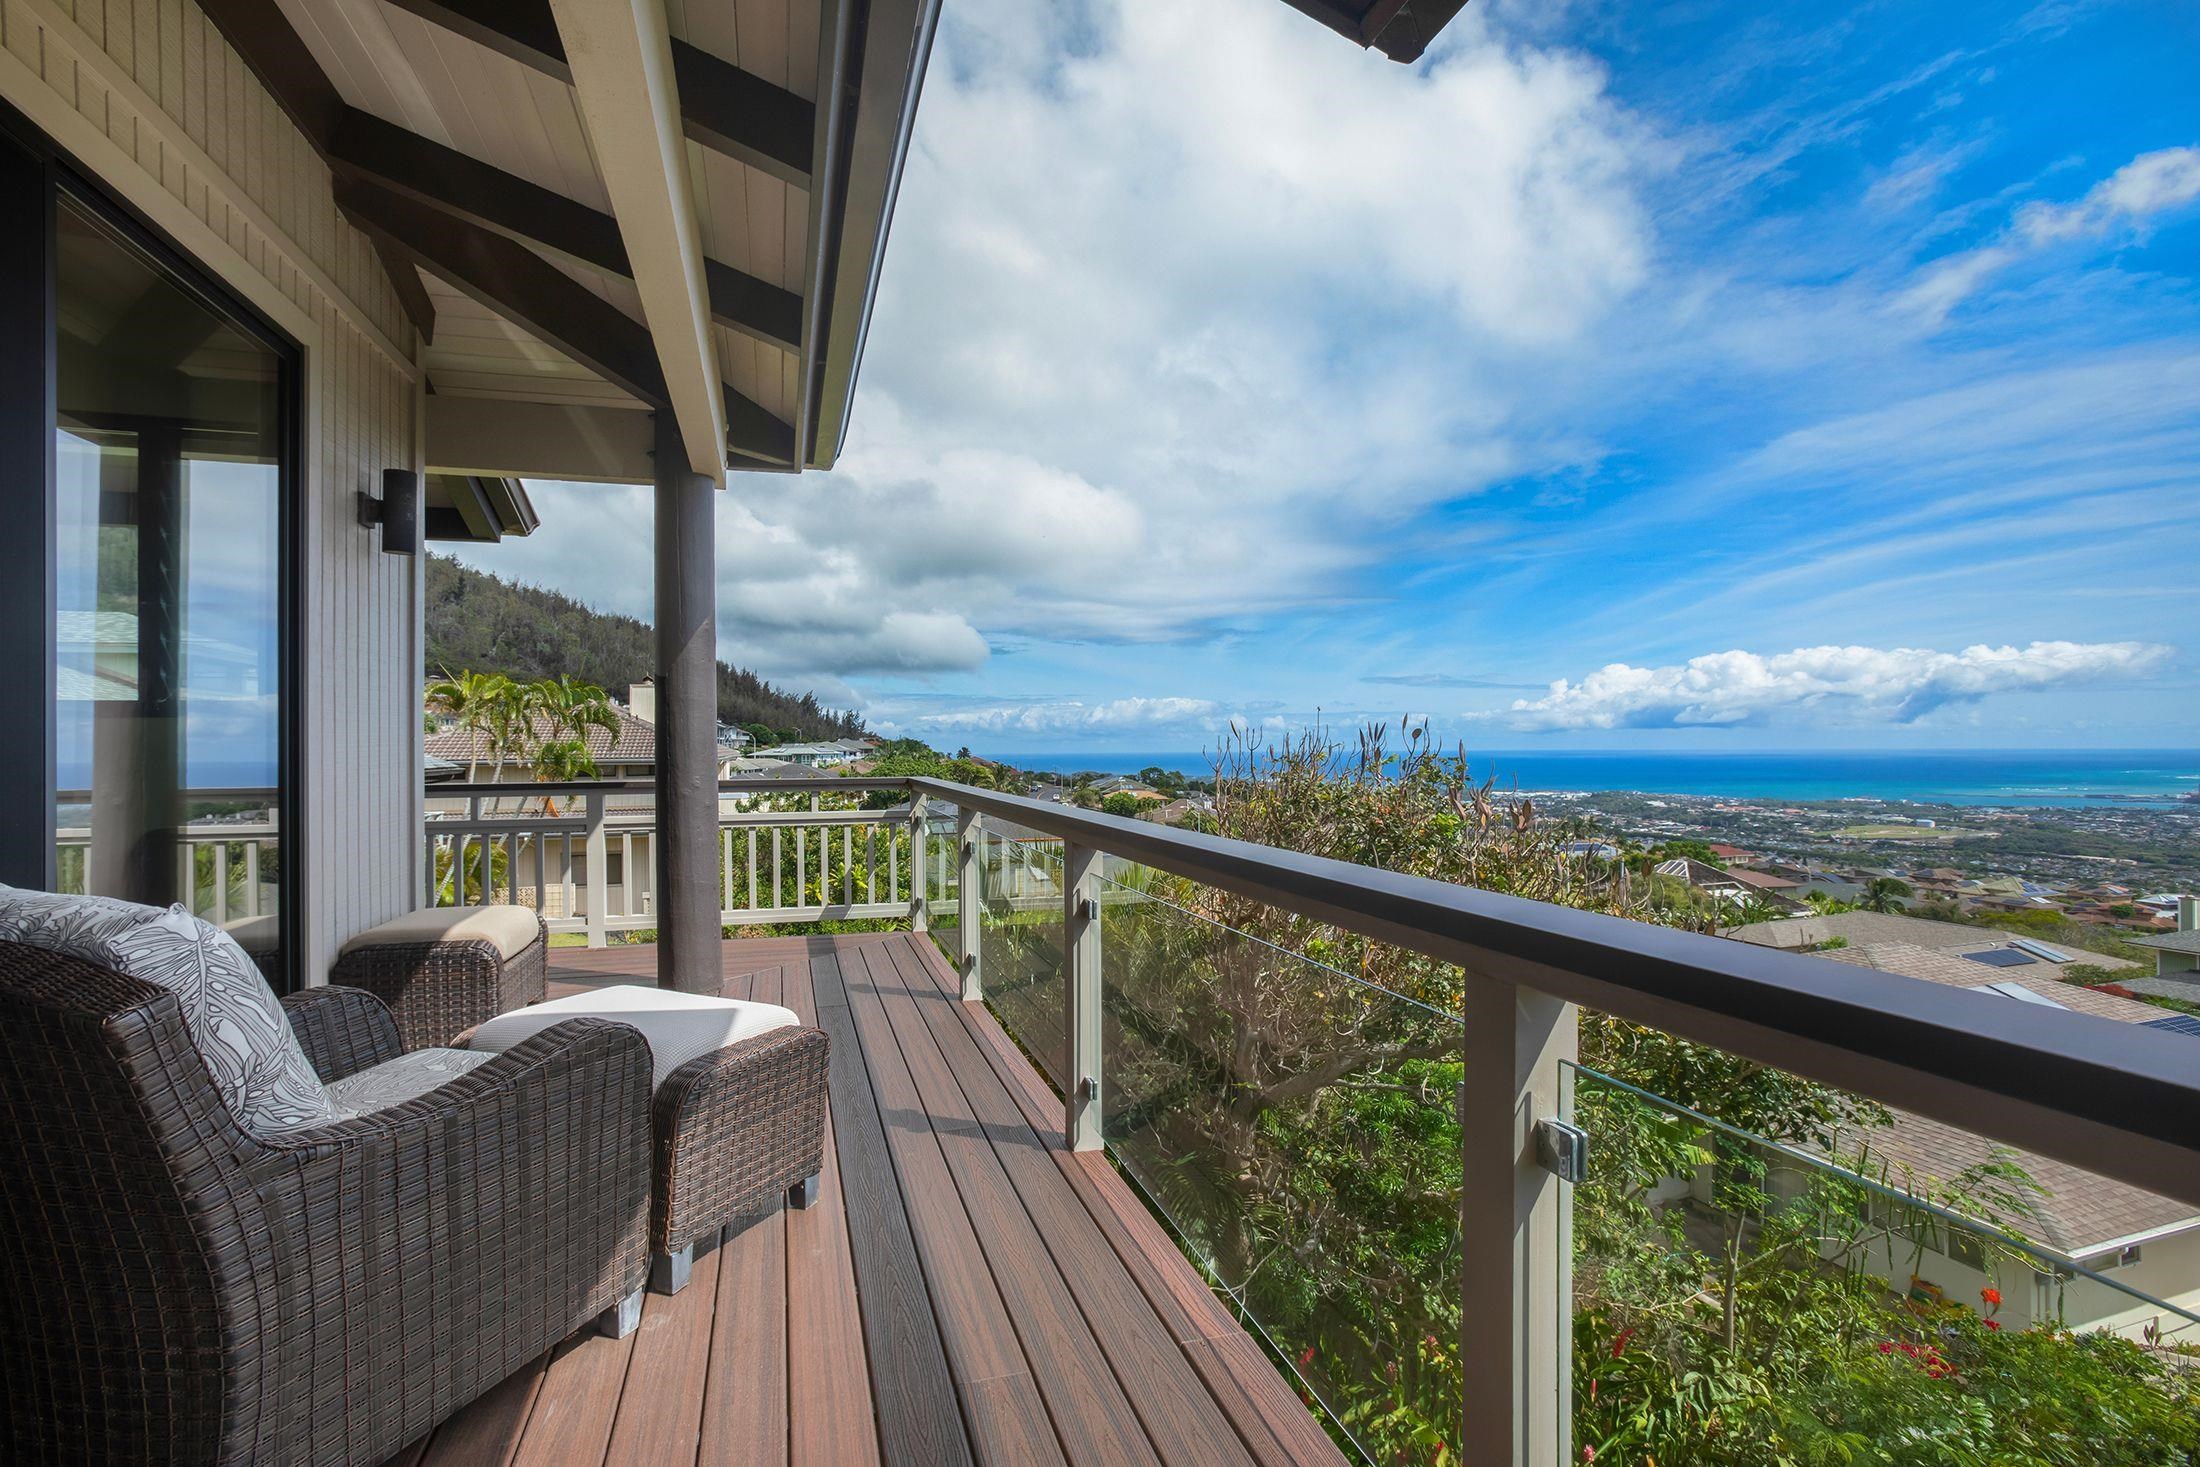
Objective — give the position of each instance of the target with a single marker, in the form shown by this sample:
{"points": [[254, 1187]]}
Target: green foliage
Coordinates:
{"points": [[1886, 894], [1763, 1330], [526, 634], [1124, 804]]}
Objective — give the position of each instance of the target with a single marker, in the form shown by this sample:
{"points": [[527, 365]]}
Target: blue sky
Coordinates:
{"points": [[1774, 377]]}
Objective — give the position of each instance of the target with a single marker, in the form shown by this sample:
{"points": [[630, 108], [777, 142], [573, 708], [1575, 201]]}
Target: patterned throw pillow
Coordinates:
{"points": [[239, 1029]]}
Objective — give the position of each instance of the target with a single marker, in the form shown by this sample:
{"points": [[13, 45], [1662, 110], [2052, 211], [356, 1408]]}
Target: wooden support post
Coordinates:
{"points": [[969, 909], [1515, 1273], [687, 721], [1081, 989]]}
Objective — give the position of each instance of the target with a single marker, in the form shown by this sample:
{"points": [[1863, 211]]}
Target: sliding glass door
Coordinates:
{"points": [[168, 507]]}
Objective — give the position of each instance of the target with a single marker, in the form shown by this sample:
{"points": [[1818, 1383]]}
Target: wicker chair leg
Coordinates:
{"points": [[622, 1318], [668, 1272], [804, 1192]]}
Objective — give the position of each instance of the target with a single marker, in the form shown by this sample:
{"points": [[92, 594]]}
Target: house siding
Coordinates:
{"points": [[149, 97]]}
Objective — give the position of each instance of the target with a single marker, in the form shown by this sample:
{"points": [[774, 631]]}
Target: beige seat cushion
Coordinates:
{"points": [[510, 928], [678, 1026]]}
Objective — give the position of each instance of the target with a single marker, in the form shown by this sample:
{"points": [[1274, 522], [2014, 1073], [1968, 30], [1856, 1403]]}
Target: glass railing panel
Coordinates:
{"points": [[1738, 1299], [1297, 1128], [1020, 941]]}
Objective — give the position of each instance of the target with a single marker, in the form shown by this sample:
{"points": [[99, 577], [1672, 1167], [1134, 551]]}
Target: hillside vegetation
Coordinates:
{"points": [[482, 623]]}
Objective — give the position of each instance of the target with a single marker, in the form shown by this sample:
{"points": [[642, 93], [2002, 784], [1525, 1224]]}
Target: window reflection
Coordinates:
{"points": [[168, 643]]}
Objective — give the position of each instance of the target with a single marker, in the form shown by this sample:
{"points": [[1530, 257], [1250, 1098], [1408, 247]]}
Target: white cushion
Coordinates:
{"points": [[509, 928], [678, 1026], [393, 1082], [234, 1021]]}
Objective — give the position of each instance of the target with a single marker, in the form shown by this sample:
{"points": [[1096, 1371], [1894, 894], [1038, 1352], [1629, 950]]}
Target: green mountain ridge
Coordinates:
{"points": [[483, 623]]}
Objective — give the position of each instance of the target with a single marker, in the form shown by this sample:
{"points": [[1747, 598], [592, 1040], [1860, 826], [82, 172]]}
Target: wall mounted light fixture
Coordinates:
{"points": [[397, 511]]}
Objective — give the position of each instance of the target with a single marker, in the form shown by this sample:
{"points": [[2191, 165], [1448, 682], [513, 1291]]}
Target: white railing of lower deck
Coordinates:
{"points": [[553, 853]]}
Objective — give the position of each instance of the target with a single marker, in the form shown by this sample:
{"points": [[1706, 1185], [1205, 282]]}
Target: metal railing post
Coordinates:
{"points": [[969, 910], [920, 919], [598, 888], [1081, 989], [1515, 1319]]}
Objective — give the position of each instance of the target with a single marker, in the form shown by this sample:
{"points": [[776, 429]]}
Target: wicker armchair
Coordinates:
{"points": [[179, 1291]]}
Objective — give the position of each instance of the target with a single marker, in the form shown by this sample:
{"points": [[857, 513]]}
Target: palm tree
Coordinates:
{"points": [[481, 703], [559, 760], [1885, 893]]}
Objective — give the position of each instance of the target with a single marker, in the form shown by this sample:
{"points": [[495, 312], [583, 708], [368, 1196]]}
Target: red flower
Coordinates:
{"points": [[1886, 1347], [1991, 1296], [1307, 1358], [1588, 1454], [1993, 1324], [1619, 1344]]}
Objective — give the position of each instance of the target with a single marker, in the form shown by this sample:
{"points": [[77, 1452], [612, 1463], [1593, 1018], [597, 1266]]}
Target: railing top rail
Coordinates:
{"points": [[2113, 1098], [803, 785], [2116, 1099]]}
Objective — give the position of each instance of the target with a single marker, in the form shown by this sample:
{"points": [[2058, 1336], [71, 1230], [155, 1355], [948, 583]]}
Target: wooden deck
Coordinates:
{"points": [[966, 1290]]}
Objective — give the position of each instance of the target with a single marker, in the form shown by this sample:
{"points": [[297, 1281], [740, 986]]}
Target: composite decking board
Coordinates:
{"points": [[671, 1360], [1181, 1417], [578, 1401], [1270, 1419], [830, 1420], [490, 1430], [1094, 1417], [975, 1324], [912, 1390], [844, 1363], [1183, 1299]]}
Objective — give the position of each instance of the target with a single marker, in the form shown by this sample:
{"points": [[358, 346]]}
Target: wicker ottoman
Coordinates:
{"points": [[738, 1115], [443, 970]]}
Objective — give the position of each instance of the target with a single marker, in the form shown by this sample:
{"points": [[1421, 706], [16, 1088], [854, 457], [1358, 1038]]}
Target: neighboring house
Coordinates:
{"points": [[1725, 886], [1765, 881], [629, 753], [2177, 952], [2144, 1241], [809, 756], [731, 736], [1981, 950]]}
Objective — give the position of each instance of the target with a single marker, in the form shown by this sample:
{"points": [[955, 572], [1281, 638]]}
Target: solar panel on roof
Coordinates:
{"points": [[2040, 950], [2176, 1024], [2001, 957], [2022, 994]]}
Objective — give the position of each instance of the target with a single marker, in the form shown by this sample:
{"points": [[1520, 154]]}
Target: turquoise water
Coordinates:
{"points": [[2073, 777]]}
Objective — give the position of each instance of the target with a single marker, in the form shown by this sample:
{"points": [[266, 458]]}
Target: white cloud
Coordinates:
{"points": [[1172, 335], [2150, 184], [1896, 684]]}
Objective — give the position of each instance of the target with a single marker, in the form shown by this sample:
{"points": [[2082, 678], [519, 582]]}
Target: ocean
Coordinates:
{"points": [[2037, 777]]}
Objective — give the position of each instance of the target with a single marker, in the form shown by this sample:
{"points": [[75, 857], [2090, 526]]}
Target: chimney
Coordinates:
{"points": [[2188, 914], [641, 700]]}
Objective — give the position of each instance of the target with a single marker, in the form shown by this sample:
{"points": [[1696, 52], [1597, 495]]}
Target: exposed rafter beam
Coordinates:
{"points": [[480, 193], [515, 282], [620, 52], [411, 294], [722, 107]]}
